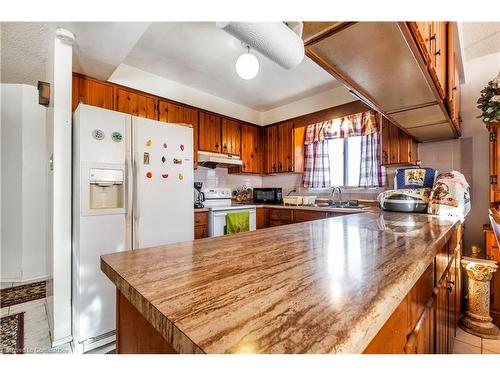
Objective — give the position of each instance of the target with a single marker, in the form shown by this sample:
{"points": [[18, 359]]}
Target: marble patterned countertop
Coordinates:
{"points": [[324, 286]]}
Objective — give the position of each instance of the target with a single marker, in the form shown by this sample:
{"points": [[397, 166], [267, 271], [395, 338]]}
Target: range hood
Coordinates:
{"points": [[213, 160], [380, 63]]}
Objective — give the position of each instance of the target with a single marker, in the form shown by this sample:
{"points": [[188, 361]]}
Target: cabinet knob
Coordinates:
{"points": [[438, 52]]}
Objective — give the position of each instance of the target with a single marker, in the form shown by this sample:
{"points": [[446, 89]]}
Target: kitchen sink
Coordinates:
{"points": [[340, 204]]}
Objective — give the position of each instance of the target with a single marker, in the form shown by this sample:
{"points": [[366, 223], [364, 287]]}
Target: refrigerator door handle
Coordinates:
{"points": [[137, 185]]}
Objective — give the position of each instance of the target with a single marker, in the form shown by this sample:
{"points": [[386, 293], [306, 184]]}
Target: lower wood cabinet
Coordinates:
{"points": [[397, 147], [200, 225], [426, 320], [273, 217], [262, 217], [493, 253]]}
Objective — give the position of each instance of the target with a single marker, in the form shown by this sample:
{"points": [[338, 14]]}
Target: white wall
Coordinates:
{"points": [[469, 154], [59, 254], [24, 185], [314, 103]]}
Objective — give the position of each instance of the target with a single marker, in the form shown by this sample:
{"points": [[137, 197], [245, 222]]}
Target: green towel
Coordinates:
{"points": [[237, 222]]}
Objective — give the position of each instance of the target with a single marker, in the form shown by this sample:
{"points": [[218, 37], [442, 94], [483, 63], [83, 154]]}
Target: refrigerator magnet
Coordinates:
{"points": [[181, 177], [116, 136], [163, 160], [149, 175], [149, 142], [164, 145], [98, 134], [182, 147], [177, 161], [146, 158], [165, 175]]}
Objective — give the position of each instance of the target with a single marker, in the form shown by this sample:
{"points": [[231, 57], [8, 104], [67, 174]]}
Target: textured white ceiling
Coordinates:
{"points": [[480, 38], [24, 51], [101, 46], [200, 55]]}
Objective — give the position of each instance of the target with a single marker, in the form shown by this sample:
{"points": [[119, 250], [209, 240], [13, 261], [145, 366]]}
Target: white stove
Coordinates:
{"points": [[218, 201]]}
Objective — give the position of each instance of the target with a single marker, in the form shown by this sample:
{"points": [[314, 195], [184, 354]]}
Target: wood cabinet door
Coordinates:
{"points": [[251, 152], [422, 32], [413, 151], [299, 135], [262, 217], [494, 158], [442, 316], [300, 216], [285, 146], [456, 99], [394, 144], [147, 107], [190, 116], [493, 253], [421, 339], [231, 137], [92, 92], [438, 67], [209, 136], [127, 101], [170, 112], [271, 154], [404, 147], [386, 141]]}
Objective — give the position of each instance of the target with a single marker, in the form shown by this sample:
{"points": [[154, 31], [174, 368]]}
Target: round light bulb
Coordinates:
{"points": [[247, 66]]}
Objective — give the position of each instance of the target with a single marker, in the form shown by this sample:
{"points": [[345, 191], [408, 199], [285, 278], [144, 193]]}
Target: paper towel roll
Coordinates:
{"points": [[273, 39]]}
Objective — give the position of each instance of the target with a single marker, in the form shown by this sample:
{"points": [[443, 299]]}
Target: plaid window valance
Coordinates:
{"points": [[363, 123]]}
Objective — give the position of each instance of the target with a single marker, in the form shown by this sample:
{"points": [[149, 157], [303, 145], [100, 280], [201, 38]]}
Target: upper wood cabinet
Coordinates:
{"points": [[453, 82], [231, 137], [170, 112], [438, 67], [285, 147], [422, 32], [397, 148], [92, 92], [270, 139], [136, 104], [209, 138], [251, 149], [432, 40]]}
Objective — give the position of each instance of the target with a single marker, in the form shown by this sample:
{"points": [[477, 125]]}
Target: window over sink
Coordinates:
{"points": [[345, 159]]}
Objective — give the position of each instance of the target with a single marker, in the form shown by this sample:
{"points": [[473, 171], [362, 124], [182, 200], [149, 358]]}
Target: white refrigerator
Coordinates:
{"points": [[132, 188]]}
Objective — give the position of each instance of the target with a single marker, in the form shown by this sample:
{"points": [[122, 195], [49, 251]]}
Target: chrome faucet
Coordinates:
{"points": [[291, 191], [337, 188]]}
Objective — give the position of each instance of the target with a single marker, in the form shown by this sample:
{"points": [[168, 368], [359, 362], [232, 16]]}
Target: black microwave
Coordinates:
{"points": [[267, 195]]}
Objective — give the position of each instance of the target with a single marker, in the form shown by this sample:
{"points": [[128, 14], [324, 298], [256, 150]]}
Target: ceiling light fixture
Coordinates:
{"points": [[247, 65]]}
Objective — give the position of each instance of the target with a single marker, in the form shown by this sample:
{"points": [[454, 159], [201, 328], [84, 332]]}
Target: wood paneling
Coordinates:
{"points": [[285, 146], [93, 92], [209, 132], [231, 137]]}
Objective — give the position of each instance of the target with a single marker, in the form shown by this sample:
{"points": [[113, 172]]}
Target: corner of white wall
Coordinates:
{"points": [[327, 99]]}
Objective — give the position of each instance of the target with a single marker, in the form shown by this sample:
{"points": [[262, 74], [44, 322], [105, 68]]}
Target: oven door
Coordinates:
{"points": [[217, 221]]}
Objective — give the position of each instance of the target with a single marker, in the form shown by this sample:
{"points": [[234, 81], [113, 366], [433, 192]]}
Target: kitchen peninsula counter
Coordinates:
{"points": [[324, 286]]}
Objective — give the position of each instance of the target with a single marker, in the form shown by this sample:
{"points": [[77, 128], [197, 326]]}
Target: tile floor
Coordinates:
{"points": [[36, 327], [465, 343]]}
